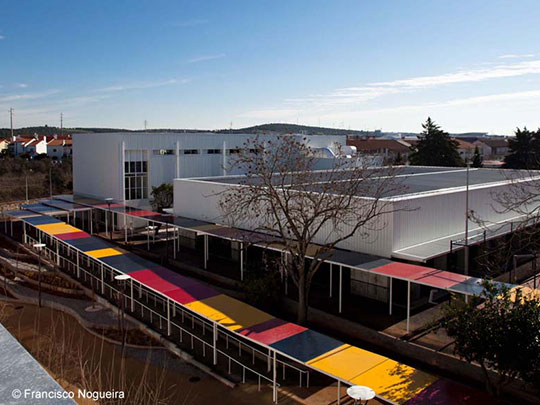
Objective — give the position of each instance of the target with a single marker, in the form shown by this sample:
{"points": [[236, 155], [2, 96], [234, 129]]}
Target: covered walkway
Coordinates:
{"points": [[280, 341]]}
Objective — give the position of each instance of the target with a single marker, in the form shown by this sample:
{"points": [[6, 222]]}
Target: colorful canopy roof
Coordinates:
{"points": [[430, 277], [395, 381]]}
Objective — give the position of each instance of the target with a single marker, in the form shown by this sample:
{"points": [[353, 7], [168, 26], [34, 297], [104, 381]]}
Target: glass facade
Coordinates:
{"points": [[136, 175]]}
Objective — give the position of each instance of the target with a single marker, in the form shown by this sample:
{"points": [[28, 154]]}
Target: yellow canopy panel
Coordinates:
{"points": [[229, 312], [347, 361], [98, 253], [526, 292], [57, 228], [395, 381]]}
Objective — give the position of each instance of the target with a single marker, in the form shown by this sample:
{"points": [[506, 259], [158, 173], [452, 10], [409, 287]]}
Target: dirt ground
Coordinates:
{"points": [[78, 359]]}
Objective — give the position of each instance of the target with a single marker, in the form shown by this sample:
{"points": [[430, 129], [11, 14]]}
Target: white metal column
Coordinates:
{"points": [[408, 304], [102, 280], [340, 287], [174, 242], [330, 280], [390, 300], [78, 272], [274, 378], [214, 342], [205, 250], [168, 317], [132, 298], [177, 159], [241, 261]]}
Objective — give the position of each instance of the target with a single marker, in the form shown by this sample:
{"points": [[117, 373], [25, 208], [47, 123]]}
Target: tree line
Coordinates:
{"points": [[436, 148]]}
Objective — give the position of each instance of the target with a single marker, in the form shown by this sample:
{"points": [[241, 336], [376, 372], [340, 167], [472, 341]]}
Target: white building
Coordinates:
{"points": [[427, 221], [126, 165]]}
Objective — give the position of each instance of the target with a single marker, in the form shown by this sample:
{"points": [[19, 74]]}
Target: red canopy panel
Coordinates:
{"points": [[443, 279], [405, 271], [143, 213], [272, 331], [72, 235]]}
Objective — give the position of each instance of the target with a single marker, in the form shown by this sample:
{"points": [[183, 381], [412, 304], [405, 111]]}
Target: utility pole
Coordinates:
{"points": [[62, 124], [145, 124], [11, 121], [466, 256]]}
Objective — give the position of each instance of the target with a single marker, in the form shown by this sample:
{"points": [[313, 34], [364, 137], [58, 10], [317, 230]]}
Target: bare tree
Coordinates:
{"points": [[520, 199], [308, 212]]}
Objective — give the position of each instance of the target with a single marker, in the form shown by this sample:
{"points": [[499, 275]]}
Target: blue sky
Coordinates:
{"points": [[471, 65]]}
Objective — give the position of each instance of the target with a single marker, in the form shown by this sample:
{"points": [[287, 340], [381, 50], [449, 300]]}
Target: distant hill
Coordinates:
{"points": [[295, 129], [277, 128], [258, 129]]}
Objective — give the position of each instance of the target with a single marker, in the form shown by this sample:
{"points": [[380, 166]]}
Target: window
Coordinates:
{"points": [[163, 152], [136, 175], [214, 151], [234, 151], [191, 151]]}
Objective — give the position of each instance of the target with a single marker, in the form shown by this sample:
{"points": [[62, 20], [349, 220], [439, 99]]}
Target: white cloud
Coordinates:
{"points": [[369, 91], [21, 85], [2, 37], [206, 57], [143, 85], [27, 96], [517, 56]]}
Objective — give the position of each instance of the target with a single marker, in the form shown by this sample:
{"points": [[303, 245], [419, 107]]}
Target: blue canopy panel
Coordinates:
{"points": [[87, 244], [306, 345], [42, 220], [20, 214], [128, 263]]}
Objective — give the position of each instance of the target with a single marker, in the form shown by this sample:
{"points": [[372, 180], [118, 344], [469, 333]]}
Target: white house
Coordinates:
{"points": [[59, 147], [32, 145]]}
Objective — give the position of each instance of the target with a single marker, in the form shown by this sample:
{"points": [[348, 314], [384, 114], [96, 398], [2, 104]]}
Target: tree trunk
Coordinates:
{"points": [[302, 299]]}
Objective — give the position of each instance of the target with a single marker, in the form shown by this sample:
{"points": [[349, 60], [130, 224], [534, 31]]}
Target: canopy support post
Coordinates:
{"points": [[390, 300], [168, 317], [214, 342], [241, 261], [274, 379], [338, 392], [102, 280], [174, 243], [408, 303], [331, 269], [340, 288], [205, 250]]}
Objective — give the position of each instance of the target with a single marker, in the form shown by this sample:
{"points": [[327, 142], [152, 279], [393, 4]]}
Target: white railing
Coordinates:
{"points": [[131, 303]]}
